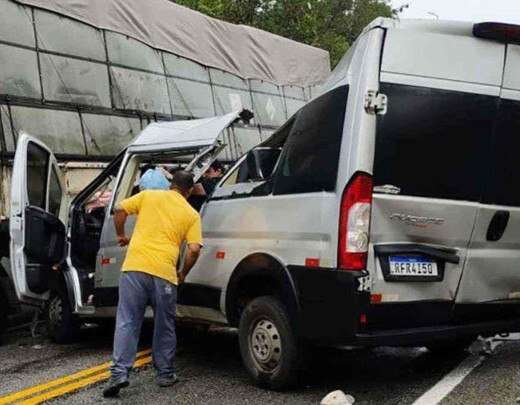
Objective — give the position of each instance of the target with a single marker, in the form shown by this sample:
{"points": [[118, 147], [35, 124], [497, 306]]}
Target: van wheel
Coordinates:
{"points": [[63, 325], [268, 344], [451, 346]]}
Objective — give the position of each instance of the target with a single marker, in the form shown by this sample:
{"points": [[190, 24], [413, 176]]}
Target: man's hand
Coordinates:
{"points": [[123, 240], [120, 216], [192, 255]]}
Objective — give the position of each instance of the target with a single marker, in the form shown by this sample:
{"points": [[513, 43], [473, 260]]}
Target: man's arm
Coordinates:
{"points": [[130, 206], [120, 216], [192, 255]]}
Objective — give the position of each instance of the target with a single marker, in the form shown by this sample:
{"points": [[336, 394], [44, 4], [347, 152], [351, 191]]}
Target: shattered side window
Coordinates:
{"points": [[310, 157]]}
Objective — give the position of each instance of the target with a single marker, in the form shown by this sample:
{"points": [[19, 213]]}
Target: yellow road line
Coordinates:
{"points": [[75, 386], [16, 396]]}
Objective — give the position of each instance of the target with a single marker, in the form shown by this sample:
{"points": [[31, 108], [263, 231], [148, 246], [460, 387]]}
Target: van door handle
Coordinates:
{"points": [[497, 226]]}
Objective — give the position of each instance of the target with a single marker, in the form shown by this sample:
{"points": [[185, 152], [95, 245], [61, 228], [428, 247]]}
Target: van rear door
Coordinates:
{"points": [[492, 271], [38, 206], [430, 159]]}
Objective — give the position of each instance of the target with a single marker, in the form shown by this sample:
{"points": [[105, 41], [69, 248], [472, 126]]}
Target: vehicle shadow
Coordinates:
{"points": [[381, 375], [211, 370]]}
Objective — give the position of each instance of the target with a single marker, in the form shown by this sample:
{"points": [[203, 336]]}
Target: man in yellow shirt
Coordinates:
{"points": [[164, 221]]}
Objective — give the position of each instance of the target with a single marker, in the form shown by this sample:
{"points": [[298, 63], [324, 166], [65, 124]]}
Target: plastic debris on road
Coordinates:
{"points": [[337, 398]]}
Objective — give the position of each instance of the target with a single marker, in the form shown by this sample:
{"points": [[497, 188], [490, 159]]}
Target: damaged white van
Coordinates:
{"points": [[385, 212]]}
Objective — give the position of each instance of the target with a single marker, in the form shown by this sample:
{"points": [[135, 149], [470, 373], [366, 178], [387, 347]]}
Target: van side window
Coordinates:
{"points": [[37, 168], [310, 156], [503, 187], [257, 166], [433, 143]]}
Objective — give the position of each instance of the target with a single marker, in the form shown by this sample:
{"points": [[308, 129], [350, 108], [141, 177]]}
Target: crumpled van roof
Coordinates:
{"points": [[459, 28], [182, 134]]}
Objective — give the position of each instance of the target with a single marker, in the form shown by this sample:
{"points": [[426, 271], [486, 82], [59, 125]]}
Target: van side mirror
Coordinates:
{"points": [[261, 162]]}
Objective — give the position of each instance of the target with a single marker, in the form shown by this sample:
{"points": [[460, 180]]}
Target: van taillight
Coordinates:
{"points": [[507, 33], [354, 223]]}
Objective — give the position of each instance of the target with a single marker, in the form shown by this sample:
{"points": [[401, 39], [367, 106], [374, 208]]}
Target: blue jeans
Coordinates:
{"points": [[136, 291]]}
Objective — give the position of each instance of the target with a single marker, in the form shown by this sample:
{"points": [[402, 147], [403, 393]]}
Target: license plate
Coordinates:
{"points": [[413, 266]]}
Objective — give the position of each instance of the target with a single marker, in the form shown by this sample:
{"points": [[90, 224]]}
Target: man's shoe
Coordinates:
{"points": [[113, 387], [166, 381]]}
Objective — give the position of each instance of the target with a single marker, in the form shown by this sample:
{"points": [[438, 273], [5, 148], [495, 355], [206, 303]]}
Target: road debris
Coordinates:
{"points": [[337, 398]]}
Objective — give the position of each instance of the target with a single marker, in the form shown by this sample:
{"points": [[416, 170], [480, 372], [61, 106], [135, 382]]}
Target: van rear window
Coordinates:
{"points": [[433, 143], [310, 156]]}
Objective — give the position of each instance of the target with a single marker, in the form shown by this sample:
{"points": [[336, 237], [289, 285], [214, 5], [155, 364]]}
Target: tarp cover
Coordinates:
{"points": [[244, 51]]}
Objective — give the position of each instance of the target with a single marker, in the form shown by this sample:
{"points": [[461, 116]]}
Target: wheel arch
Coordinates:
{"points": [[58, 282], [260, 274]]}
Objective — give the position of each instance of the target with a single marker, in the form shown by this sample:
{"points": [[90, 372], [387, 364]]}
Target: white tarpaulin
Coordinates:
{"points": [[244, 51]]}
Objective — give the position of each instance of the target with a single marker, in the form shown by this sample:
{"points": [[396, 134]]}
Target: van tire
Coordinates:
{"points": [[63, 326], [274, 365], [451, 346]]}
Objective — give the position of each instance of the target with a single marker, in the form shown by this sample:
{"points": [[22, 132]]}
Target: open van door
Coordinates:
{"points": [[38, 235]]}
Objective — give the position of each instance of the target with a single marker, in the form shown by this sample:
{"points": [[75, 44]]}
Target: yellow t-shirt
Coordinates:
{"points": [[164, 221]]}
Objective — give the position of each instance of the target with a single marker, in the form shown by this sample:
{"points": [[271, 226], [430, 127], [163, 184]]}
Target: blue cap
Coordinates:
{"points": [[154, 179]]}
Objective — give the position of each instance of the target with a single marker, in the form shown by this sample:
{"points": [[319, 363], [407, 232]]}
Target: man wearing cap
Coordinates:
{"points": [[149, 276]]}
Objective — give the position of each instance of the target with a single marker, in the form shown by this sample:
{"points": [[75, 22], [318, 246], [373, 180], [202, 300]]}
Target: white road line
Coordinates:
{"points": [[440, 390]]}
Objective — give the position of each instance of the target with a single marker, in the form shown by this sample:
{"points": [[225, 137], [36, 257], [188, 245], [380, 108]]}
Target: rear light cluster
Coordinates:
{"points": [[354, 223], [507, 33]]}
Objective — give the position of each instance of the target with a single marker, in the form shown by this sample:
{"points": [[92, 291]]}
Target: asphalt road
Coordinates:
{"points": [[210, 369]]}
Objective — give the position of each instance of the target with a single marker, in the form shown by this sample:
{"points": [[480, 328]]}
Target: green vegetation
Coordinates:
{"points": [[329, 24]]}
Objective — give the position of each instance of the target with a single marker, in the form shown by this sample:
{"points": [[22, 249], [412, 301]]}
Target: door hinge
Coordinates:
{"points": [[375, 103]]}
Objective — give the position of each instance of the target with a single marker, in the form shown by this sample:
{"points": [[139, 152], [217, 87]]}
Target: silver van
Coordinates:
{"points": [[384, 212]]}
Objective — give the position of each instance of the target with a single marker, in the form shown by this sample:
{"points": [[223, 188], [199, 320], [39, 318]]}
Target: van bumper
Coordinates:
{"points": [[332, 303], [334, 309]]}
